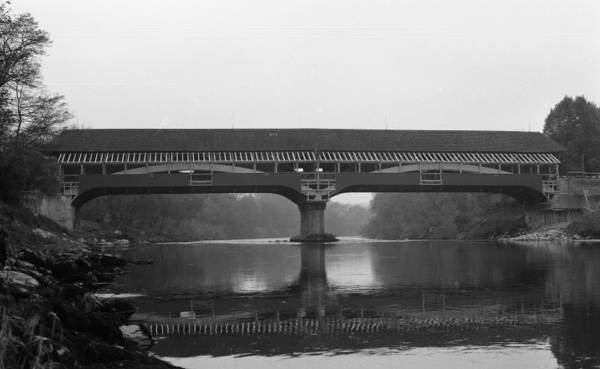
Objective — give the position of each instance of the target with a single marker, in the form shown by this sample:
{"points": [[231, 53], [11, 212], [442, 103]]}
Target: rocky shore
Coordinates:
{"points": [[49, 315], [547, 235]]}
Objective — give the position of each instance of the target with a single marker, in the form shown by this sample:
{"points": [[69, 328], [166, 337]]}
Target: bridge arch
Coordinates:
{"points": [[86, 196], [177, 167], [442, 167]]}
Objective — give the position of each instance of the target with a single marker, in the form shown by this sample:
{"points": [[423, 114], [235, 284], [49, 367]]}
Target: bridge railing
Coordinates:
{"points": [[431, 178], [70, 189], [549, 187]]}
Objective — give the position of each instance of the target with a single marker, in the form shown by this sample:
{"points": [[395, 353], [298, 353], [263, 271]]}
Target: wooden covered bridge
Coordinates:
{"points": [[307, 166]]}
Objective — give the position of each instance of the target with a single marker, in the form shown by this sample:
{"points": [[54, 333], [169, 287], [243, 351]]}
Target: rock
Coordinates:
{"points": [[141, 262], [19, 285], [61, 354], [90, 303], [138, 334], [124, 308], [84, 265], [72, 318], [24, 267], [65, 269], [110, 260], [100, 352], [36, 258], [44, 234], [106, 326], [121, 242], [73, 291], [18, 279]]}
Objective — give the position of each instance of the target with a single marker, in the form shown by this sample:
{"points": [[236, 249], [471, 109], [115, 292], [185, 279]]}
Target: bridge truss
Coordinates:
{"points": [[317, 168]]}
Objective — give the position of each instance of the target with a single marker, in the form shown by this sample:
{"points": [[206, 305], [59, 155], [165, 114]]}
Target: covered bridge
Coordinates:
{"points": [[308, 166]]}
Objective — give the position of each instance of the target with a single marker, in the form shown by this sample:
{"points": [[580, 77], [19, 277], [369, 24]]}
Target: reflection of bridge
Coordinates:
{"points": [[307, 166], [339, 325], [316, 317]]}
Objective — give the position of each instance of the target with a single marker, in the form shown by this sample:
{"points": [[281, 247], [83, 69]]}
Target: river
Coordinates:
{"points": [[361, 303]]}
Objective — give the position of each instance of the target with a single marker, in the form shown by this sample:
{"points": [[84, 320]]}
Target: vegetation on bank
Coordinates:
{"points": [[30, 116], [49, 317], [444, 216], [573, 122], [214, 216], [587, 226]]}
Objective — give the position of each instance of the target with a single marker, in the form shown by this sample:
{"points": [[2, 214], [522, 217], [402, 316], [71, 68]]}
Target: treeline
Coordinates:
{"points": [[443, 216], [573, 122], [30, 116], [214, 216]]}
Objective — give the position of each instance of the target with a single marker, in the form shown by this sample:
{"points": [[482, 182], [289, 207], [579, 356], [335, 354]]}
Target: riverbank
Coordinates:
{"points": [[586, 228], [50, 317]]}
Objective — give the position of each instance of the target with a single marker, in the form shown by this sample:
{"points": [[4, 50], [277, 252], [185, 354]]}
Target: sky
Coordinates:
{"points": [[427, 64]]}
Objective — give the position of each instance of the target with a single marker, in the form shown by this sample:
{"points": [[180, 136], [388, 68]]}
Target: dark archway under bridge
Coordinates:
{"points": [[308, 167]]}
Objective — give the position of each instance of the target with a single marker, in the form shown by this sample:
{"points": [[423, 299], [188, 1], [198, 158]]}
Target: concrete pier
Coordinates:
{"points": [[56, 207], [312, 223]]}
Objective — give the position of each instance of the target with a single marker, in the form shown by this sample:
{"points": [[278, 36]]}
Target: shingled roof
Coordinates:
{"points": [[149, 140]]}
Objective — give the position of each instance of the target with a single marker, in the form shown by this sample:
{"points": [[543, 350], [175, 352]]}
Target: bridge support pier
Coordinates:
{"points": [[56, 207], [312, 223]]}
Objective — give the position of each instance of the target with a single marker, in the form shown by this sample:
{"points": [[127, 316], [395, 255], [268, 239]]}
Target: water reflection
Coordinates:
{"points": [[274, 299]]}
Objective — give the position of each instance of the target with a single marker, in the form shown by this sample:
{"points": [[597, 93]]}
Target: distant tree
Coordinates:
{"points": [[575, 124]]}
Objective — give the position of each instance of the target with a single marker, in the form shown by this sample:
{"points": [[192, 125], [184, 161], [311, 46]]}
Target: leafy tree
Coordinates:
{"points": [[575, 124]]}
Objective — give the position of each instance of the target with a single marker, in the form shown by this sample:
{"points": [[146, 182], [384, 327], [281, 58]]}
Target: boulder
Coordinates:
{"points": [[138, 334], [44, 234], [66, 269], [34, 257], [18, 279]]}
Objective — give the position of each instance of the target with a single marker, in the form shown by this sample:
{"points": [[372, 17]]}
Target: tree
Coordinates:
{"points": [[21, 43], [29, 116], [575, 124]]}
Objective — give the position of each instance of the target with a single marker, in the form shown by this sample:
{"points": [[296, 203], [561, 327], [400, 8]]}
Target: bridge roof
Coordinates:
{"points": [[151, 140]]}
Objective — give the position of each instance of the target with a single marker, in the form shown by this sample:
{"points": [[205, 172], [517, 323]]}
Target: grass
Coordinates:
{"points": [[21, 345]]}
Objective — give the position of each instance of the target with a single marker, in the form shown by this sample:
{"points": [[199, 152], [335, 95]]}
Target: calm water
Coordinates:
{"points": [[358, 304]]}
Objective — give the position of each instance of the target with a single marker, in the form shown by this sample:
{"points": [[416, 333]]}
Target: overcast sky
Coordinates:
{"points": [[329, 63], [472, 64]]}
